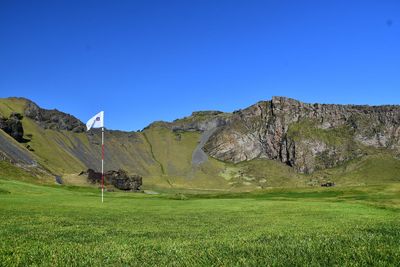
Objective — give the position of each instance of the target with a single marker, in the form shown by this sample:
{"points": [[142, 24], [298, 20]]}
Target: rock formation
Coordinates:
{"points": [[53, 119], [13, 126], [120, 179], [305, 136]]}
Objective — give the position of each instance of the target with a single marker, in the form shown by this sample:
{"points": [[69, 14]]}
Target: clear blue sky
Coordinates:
{"points": [[147, 60]]}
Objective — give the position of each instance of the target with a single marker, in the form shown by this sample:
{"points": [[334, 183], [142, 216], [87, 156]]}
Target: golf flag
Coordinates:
{"points": [[96, 122]]}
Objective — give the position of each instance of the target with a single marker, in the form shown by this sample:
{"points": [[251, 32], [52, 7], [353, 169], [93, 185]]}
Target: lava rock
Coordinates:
{"points": [[13, 126], [53, 119], [120, 179], [328, 184]]}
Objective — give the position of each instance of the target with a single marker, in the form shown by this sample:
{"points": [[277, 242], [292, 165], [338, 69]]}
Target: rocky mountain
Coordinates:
{"points": [[305, 136], [53, 119], [281, 142], [13, 126]]}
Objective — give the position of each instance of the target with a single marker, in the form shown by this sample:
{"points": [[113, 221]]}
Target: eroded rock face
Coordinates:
{"points": [[13, 126], [330, 135], [53, 119], [120, 179]]}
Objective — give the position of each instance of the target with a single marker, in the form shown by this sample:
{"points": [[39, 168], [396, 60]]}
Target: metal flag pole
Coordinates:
{"points": [[98, 122], [102, 164]]}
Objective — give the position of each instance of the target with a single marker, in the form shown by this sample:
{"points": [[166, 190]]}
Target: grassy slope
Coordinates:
{"points": [[378, 167], [9, 171], [46, 143], [53, 149], [307, 129], [130, 153], [173, 152], [42, 225], [9, 105], [266, 173]]}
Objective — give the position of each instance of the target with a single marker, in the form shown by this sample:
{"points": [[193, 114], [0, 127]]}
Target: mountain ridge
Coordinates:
{"points": [[213, 148]]}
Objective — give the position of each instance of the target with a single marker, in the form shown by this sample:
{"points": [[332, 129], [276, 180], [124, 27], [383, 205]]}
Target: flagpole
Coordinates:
{"points": [[102, 164]]}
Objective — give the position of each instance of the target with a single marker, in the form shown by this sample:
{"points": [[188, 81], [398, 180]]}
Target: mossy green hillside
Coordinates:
{"points": [[172, 150], [160, 155], [308, 129], [173, 153], [266, 173], [379, 167], [45, 143], [10, 105], [12, 172]]}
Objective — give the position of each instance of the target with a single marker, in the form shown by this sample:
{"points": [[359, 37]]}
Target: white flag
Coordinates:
{"points": [[96, 122]]}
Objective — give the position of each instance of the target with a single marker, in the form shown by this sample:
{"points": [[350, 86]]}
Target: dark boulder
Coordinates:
{"points": [[328, 184], [58, 179], [92, 176], [13, 126], [3, 124], [120, 179]]}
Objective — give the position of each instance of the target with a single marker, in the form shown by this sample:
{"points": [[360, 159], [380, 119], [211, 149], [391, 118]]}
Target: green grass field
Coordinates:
{"points": [[68, 226]]}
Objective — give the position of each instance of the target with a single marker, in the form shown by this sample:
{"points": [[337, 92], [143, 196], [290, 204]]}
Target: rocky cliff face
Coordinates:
{"points": [[53, 119], [13, 126], [305, 136]]}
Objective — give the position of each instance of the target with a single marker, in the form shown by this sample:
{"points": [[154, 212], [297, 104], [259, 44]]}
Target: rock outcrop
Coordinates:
{"points": [[13, 126], [305, 136], [120, 179], [53, 119]]}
